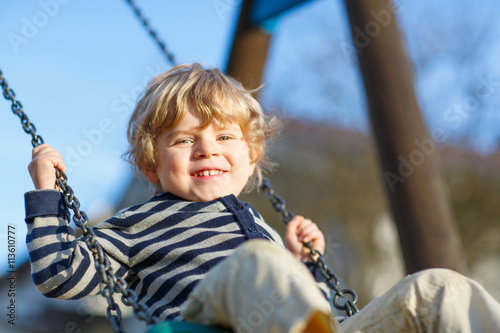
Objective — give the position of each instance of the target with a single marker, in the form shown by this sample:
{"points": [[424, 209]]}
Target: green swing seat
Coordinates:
{"points": [[184, 327]]}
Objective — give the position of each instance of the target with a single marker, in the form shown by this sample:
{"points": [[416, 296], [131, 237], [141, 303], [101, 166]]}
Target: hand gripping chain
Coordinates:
{"points": [[110, 283], [317, 258]]}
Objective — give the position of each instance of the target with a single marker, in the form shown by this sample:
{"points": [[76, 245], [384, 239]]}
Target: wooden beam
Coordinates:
{"points": [[408, 153], [249, 50]]}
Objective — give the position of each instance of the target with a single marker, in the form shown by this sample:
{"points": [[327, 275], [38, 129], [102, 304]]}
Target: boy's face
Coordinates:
{"points": [[202, 164]]}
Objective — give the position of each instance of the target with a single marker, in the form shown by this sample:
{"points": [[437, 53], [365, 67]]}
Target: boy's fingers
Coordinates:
{"points": [[45, 152], [308, 235], [309, 231], [60, 165], [291, 239], [44, 160], [305, 227], [36, 151], [293, 225]]}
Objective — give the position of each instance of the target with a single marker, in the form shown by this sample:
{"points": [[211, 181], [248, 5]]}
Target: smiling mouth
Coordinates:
{"points": [[205, 173]]}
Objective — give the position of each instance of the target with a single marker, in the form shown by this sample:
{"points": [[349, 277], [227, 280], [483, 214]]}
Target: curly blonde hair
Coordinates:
{"points": [[168, 97]]}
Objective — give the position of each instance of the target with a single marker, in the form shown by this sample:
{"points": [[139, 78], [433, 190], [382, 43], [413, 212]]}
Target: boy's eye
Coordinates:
{"points": [[184, 141], [224, 138]]}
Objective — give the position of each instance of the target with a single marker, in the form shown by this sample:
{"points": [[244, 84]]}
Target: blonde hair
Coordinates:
{"points": [[168, 97]]}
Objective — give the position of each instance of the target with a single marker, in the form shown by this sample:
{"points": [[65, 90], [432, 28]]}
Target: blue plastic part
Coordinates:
{"points": [[263, 10], [184, 327]]}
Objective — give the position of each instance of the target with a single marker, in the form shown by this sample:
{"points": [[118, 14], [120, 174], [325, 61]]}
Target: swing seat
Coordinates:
{"points": [[184, 327]]}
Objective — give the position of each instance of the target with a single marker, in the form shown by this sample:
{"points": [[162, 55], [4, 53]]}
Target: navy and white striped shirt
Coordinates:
{"points": [[162, 248]]}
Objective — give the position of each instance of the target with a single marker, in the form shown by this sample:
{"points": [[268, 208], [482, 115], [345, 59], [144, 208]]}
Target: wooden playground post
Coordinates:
{"points": [[408, 154], [249, 50]]}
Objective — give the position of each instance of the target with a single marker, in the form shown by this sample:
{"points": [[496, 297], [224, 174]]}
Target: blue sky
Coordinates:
{"points": [[77, 67]]}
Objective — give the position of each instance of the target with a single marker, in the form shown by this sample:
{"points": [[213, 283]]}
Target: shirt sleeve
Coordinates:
{"points": [[62, 265]]}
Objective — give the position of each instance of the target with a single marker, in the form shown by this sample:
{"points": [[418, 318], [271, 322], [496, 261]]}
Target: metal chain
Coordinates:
{"points": [[110, 283], [145, 22], [317, 258], [17, 108]]}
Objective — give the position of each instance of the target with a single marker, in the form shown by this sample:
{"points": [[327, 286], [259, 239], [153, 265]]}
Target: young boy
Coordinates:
{"points": [[195, 252], [198, 137]]}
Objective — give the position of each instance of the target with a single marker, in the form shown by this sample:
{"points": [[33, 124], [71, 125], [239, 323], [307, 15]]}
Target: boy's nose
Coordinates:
{"points": [[205, 150]]}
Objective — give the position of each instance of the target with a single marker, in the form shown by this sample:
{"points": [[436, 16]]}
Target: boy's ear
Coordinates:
{"points": [[150, 175], [254, 165], [254, 155]]}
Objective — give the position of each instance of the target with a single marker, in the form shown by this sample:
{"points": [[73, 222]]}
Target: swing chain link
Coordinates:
{"points": [[17, 109], [317, 258], [109, 283], [145, 22]]}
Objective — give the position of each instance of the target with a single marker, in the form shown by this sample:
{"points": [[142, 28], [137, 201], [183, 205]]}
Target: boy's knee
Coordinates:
{"points": [[436, 286], [436, 276]]}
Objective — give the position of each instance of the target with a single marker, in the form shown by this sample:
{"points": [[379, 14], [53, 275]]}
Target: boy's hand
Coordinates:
{"points": [[44, 159], [300, 230]]}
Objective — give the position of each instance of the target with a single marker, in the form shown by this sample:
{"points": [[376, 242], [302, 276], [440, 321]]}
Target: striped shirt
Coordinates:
{"points": [[162, 248]]}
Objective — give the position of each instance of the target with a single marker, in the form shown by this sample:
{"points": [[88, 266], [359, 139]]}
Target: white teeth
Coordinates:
{"points": [[208, 173]]}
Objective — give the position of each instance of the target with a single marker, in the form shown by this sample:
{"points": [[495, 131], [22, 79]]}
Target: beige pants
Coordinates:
{"points": [[260, 288], [434, 300], [263, 288]]}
